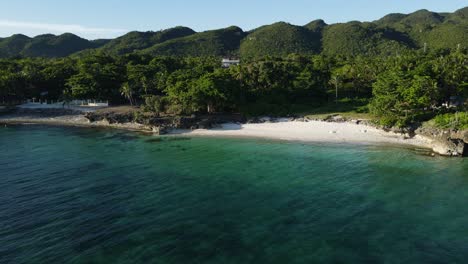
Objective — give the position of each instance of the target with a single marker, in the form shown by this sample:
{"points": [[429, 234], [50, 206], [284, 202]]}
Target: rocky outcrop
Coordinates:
{"points": [[111, 117], [446, 142], [161, 125]]}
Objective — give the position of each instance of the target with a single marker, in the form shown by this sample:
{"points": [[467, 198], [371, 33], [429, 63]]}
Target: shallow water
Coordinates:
{"points": [[74, 195]]}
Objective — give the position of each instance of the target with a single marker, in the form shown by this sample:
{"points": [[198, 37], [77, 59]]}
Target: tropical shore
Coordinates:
{"points": [[280, 129], [78, 120], [312, 131], [336, 130]]}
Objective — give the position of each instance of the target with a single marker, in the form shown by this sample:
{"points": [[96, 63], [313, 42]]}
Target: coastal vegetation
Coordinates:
{"points": [[458, 120], [395, 70], [397, 90]]}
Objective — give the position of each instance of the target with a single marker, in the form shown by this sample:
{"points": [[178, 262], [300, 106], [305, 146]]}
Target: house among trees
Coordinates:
{"points": [[228, 62]]}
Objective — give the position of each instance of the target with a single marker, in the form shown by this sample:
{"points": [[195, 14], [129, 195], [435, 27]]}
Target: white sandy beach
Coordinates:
{"points": [[281, 129], [314, 131]]}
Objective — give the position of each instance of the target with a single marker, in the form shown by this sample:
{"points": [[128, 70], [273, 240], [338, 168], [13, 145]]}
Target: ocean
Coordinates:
{"points": [[80, 195]]}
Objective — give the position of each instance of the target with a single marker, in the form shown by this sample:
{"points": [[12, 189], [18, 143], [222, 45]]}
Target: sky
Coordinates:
{"points": [[93, 19]]}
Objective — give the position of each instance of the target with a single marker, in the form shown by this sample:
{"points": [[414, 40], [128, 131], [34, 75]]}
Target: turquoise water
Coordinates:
{"points": [[70, 195]]}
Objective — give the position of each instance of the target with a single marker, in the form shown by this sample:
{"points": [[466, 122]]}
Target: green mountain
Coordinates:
{"points": [[221, 42], [47, 46], [356, 38], [135, 41], [389, 35], [461, 13], [280, 39], [55, 46], [435, 30], [316, 25], [12, 46]]}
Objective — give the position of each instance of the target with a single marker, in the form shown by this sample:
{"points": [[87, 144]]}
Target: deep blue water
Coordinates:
{"points": [[74, 195]]}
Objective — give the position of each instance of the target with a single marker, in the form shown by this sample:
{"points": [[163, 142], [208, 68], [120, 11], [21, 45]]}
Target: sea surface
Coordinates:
{"points": [[77, 195]]}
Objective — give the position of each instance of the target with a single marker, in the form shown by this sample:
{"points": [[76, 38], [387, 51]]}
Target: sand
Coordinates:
{"points": [[313, 131]]}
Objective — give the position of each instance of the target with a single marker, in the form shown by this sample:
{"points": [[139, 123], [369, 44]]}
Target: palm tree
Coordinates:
{"points": [[127, 91], [335, 81]]}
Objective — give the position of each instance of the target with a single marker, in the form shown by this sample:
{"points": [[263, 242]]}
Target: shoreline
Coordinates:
{"points": [[285, 130], [71, 121], [311, 131]]}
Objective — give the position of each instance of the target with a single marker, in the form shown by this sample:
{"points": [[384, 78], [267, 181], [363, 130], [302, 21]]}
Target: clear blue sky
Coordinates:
{"points": [[106, 18]]}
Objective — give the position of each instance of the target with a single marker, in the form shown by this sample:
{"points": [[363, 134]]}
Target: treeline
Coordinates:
{"points": [[400, 89]]}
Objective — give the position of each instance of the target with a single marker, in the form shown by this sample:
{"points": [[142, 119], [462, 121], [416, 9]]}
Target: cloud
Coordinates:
{"points": [[40, 28]]}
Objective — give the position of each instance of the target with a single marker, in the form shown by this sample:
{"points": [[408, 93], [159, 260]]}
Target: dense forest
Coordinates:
{"points": [[401, 69], [398, 89]]}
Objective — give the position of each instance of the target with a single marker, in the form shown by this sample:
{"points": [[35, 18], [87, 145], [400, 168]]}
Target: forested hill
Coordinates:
{"points": [[47, 46], [392, 34]]}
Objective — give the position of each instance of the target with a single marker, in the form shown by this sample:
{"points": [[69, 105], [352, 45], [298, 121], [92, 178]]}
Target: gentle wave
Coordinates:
{"points": [[74, 195]]}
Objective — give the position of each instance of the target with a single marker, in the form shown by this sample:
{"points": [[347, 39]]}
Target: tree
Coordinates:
{"points": [[386, 97], [99, 77], [336, 82], [127, 91], [217, 91], [400, 98], [156, 104]]}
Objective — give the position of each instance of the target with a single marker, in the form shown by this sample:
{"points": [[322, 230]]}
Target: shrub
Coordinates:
{"points": [[156, 104], [457, 120]]}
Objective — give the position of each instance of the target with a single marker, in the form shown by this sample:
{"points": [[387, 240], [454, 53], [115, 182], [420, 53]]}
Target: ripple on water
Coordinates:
{"points": [[74, 195]]}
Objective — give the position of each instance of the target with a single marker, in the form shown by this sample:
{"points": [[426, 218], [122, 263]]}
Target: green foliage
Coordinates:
{"points": [[447, 36], [12, 46], [204, 92], [316, 25], [280, 39], [99, 77], [436, 31], [401, 89], [156, 104], [400, 97], [457, 120], [135, 40], [356, 38], [222, 42], [46, 46], [392, 35]]}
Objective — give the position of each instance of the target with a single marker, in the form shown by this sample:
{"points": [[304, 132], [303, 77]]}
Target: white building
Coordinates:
{"points": [[226, 63]]}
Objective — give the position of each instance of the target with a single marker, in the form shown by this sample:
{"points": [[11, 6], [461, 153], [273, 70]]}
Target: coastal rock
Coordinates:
{"points": [[159, 130], [163, 124], [205, 124], [335, 118], [450, 148], [446, 142]]}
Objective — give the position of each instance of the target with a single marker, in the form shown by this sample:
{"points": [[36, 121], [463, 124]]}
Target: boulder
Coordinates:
{"points": [[446, 142], [450, 148], [159, 130]]}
